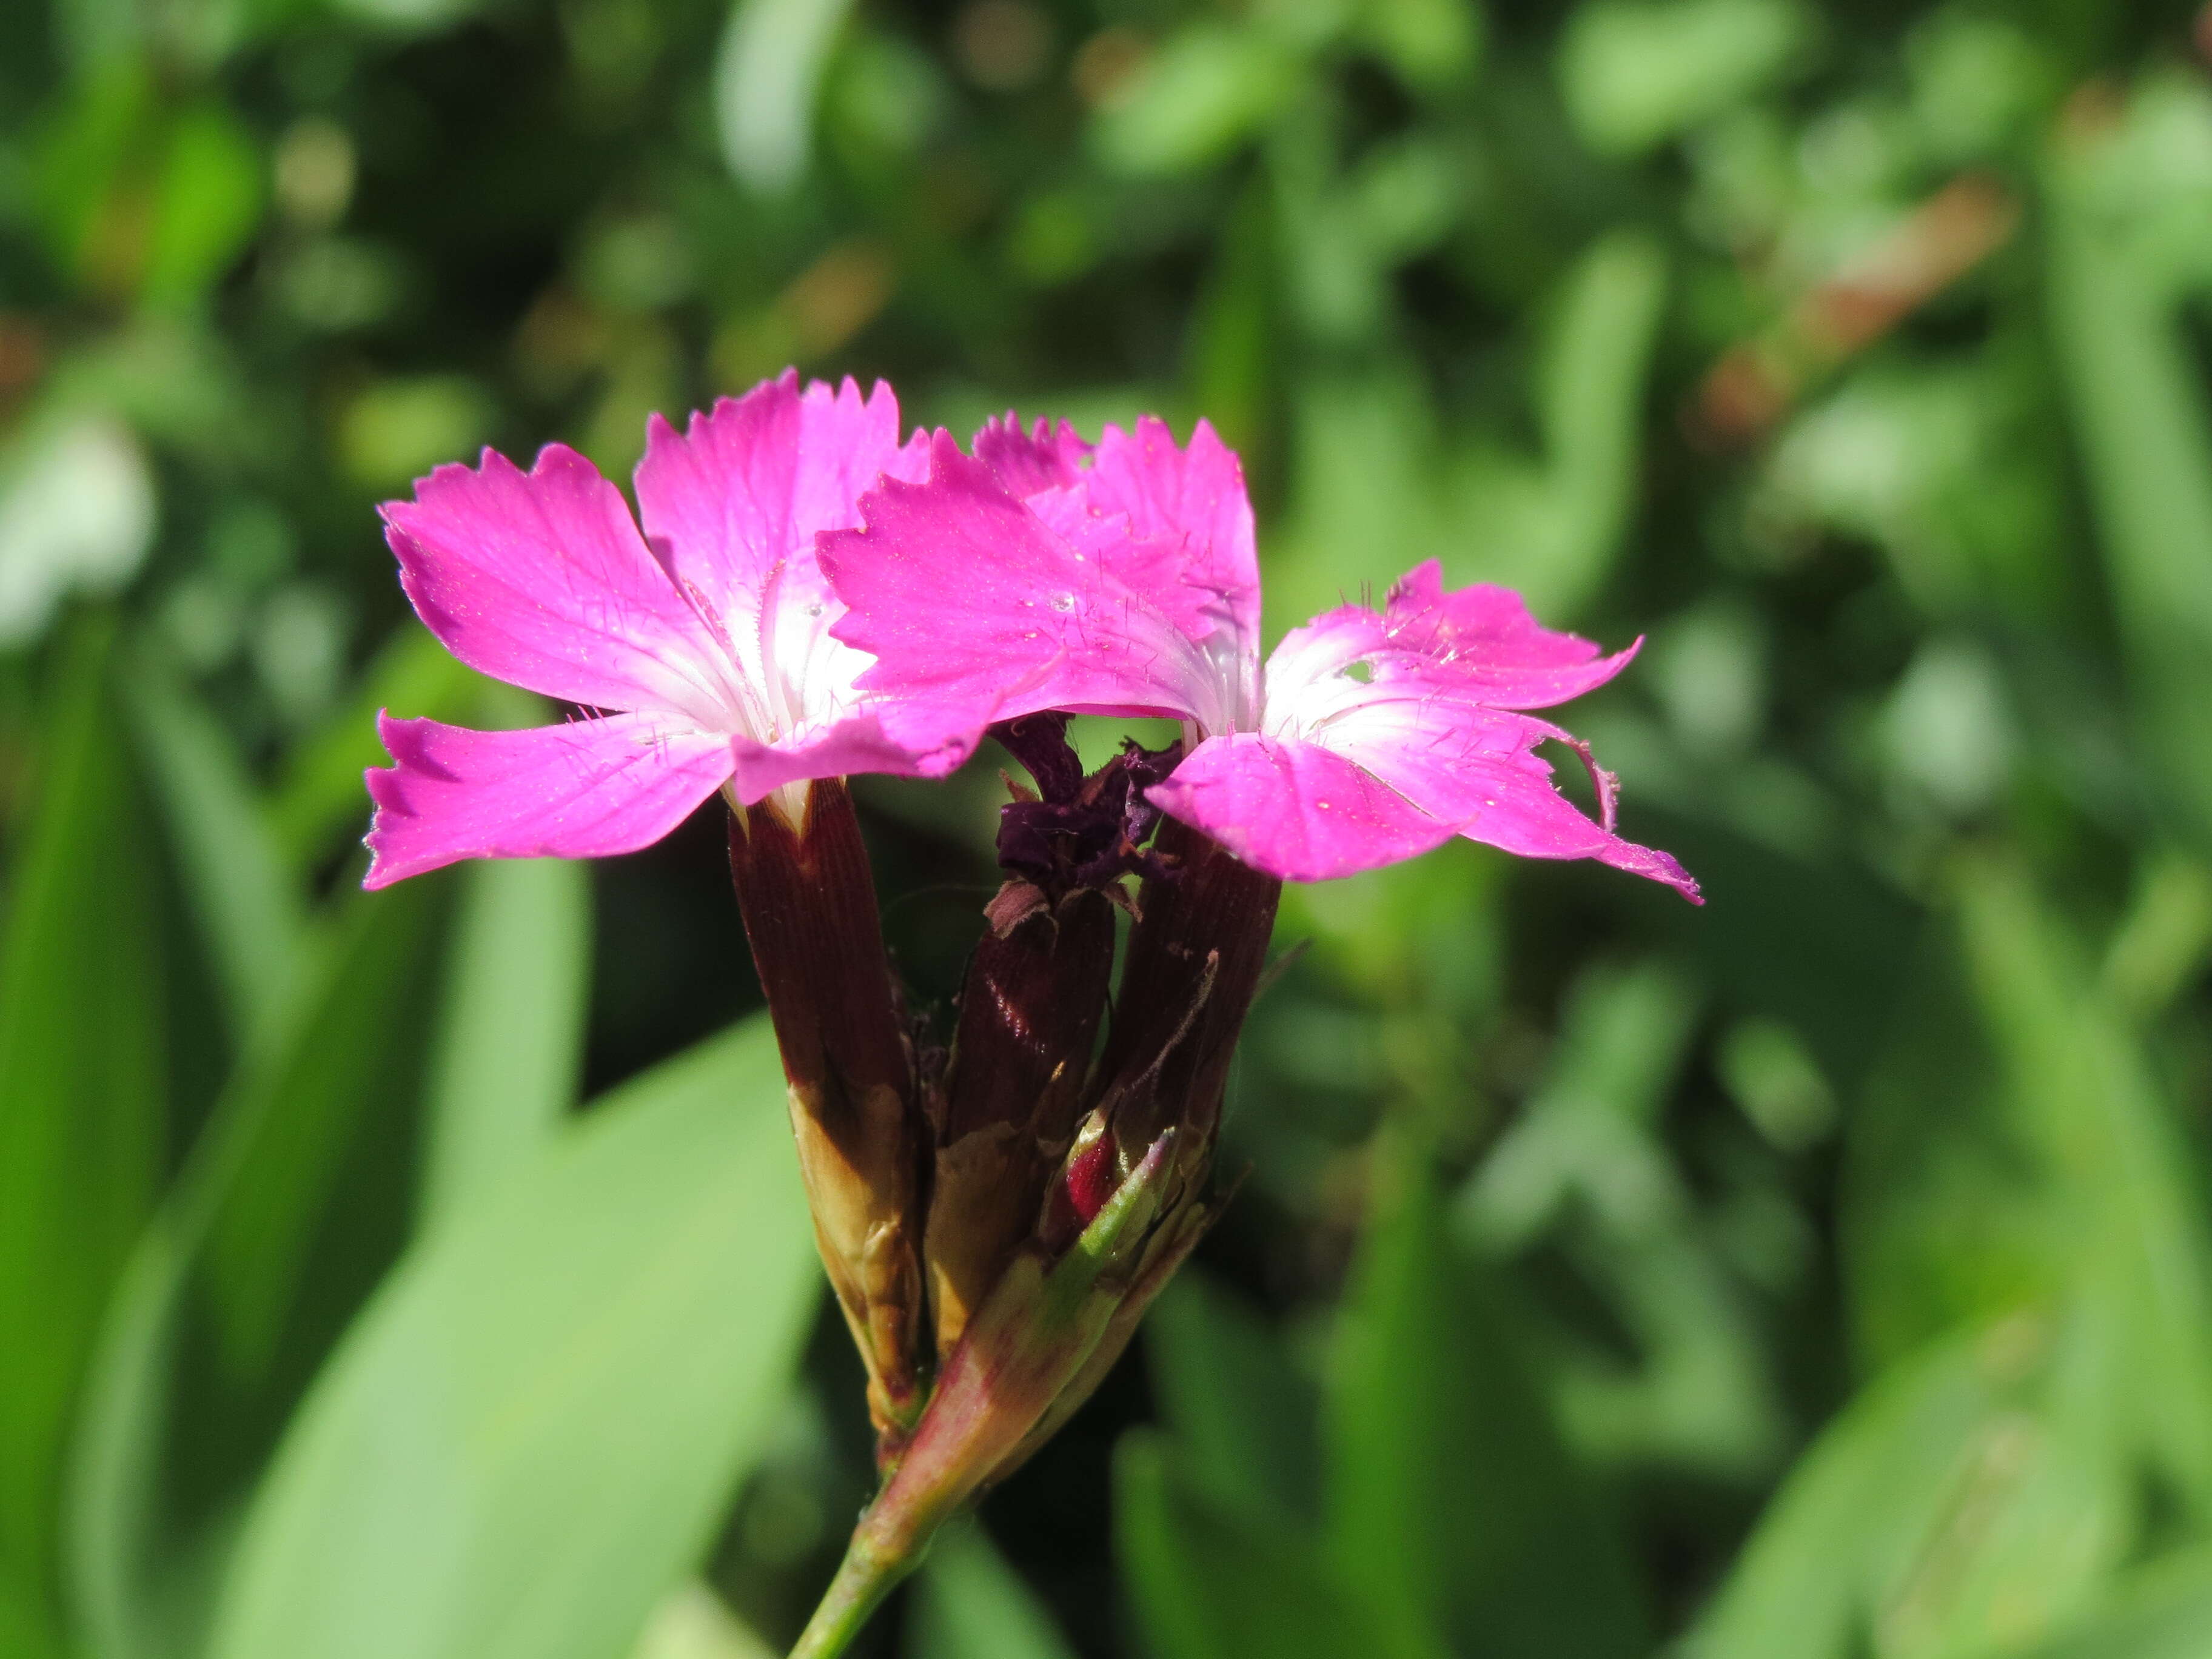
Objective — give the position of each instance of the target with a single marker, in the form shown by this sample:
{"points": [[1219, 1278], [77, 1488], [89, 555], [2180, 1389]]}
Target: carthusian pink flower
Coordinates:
{"points": [[1044, 573], [705, 641]]}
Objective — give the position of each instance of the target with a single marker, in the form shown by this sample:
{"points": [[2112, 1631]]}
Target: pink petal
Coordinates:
{"points": [[1447, 754], [581, 790], [1153, 566], [1522, 812], [1294, 809], [1484, 638], [1308, 672], [976, 610], [1042, 458], [1195, 496], [542, 580], [732, 506], [858, 742], [1476, 767]]}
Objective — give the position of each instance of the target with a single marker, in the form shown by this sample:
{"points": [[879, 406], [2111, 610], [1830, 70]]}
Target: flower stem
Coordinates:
{"points": [[881, 1553]]}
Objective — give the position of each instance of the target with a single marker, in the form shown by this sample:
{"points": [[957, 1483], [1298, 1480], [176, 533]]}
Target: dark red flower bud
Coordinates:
{"points": [[809, 912]]}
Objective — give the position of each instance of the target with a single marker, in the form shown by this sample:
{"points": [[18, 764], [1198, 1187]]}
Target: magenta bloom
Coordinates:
{"points": [[1044, 573], [707, 638]]}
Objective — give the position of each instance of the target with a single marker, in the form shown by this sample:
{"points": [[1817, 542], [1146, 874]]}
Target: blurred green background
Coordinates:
{"points": [[1826, 1274]]}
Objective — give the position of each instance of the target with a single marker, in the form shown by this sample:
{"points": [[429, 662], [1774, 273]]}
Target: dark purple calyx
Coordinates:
{"points": [[1078, 831]]}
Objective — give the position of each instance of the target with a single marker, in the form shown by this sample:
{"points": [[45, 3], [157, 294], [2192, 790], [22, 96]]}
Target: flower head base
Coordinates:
{"points": [[706, 638]]}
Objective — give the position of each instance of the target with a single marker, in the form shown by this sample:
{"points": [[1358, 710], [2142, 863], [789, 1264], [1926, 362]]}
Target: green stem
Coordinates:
{"points": [[882, 1552]]}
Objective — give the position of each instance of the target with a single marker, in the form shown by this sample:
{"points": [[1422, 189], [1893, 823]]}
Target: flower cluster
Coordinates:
{"points": [[804, 596], [809, 597]]}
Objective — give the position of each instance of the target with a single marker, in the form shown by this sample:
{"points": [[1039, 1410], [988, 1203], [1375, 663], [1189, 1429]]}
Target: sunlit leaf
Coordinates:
{"points": [[1638, 72], [691, 1622], [969, 1604], [509, 1046], [1432, 44], [1555, 530], [207, 200], [2162, 1612], [768, 82], [527, 1437], [1382, 486], [77, 514], [1583, 1162], [1205, 93], [1959, 1506]]}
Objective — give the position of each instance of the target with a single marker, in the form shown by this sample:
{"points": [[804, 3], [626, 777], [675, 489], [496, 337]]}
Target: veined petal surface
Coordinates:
{"points": [[541, 579], [857, 743], [1417, 707], [970, 602], [1033, 459], [732, 506], [1523, 812], [1483, 638], [1194, 497], [578, 790], [1294, 809]]}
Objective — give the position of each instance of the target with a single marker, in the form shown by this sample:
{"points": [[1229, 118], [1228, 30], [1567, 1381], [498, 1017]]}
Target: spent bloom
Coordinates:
{"points": [[704, 640], [1043, 573]]}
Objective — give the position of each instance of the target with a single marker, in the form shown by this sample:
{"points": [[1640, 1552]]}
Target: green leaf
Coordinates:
{"points": [[2159, 946], [352, 1057], [1638, 72], [1433, 45], [1208, 90], [691, 1622], [338, 1049], [207, 197], [1244, 1418], [408, 14], [1210, 1583], [969, 1604], [396, 429], [1381, 487], [509, 1047], [1451, 1497], [2016, 1151], [78, 509], [2163, 1611], [1554, 530], [83, 1090], [1957, 1505], [242, 890], [529, 1435], [2140, 415], [2016, 1173], [768, 82], [1584, 1162], [93, 139]]}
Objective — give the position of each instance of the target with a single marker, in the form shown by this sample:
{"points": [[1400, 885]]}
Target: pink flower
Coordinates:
{"points": [[1045, 575], [707, 638]]}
